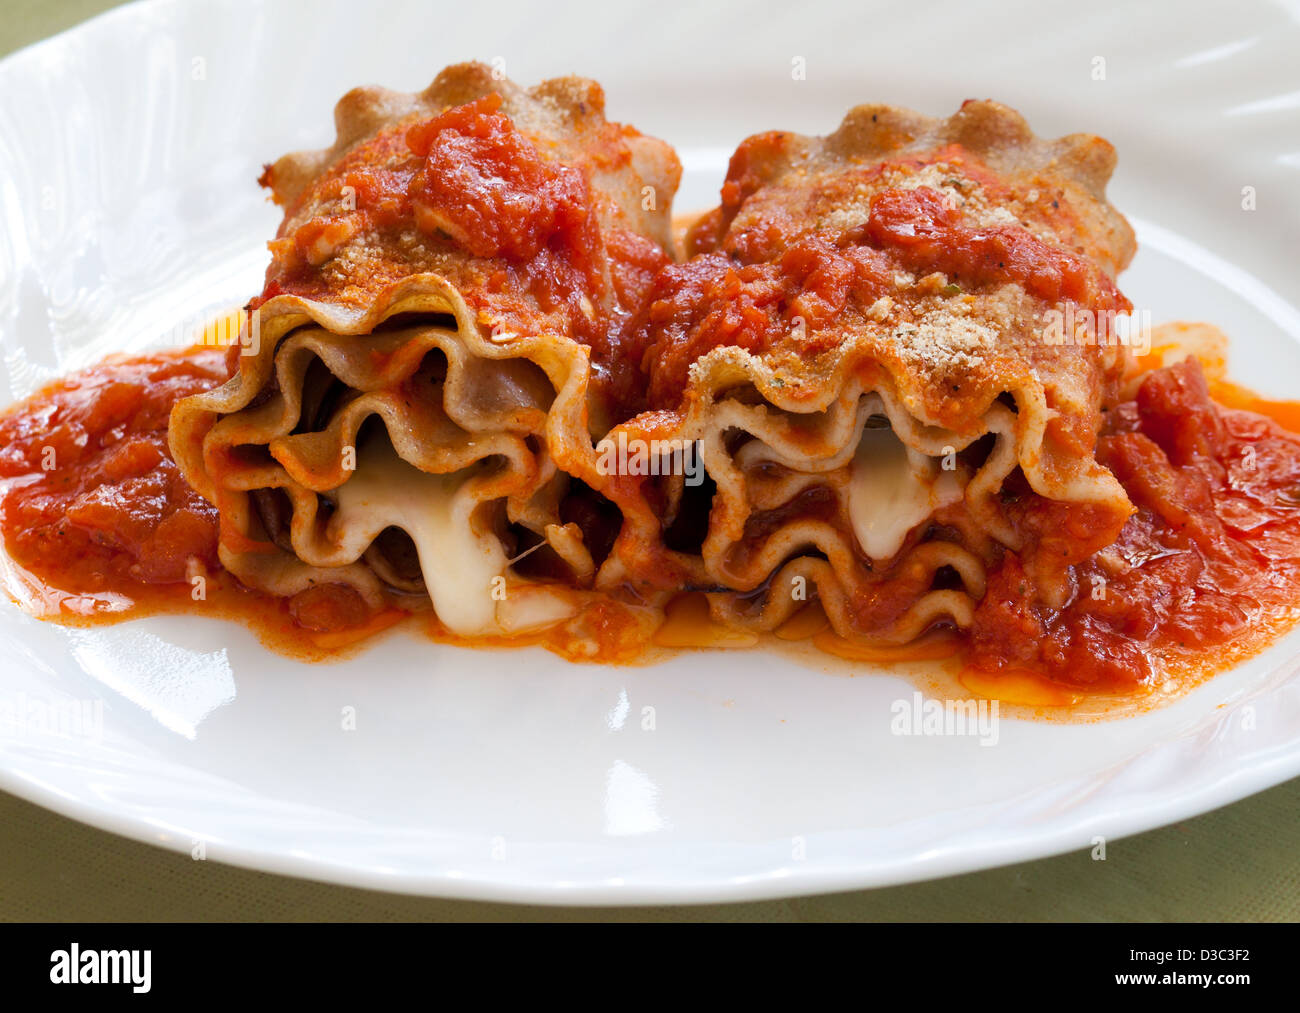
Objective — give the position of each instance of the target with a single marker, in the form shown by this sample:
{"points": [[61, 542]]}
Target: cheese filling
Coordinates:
{"points": [[892, 489], [459, 564]]}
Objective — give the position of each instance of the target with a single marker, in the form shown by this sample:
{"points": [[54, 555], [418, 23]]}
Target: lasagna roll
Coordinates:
{"points": [[895, 346], [423, 372]]}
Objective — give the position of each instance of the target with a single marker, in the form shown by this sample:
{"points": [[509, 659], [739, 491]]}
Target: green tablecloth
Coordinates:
{"points": [[1239, 863]]}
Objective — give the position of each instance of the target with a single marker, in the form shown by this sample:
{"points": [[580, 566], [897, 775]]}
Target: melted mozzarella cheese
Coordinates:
{"points": [[529, 609], [893, 489], [459, 564]]}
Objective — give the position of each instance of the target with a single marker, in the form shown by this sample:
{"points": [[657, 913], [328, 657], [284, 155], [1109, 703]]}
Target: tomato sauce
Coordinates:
{"points": [[92, 499], [721, 297], [469, 182], [925, 235], [711, 301], [488, 187], [1208, 566]]}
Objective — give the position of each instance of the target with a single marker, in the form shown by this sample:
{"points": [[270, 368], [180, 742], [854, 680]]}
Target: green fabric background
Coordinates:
{"points": [[1239, 863]]}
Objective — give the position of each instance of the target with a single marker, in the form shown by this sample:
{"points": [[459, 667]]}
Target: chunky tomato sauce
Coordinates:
{"points": [[488, 187], [92, 499], [468, 181], [711, 301], [925, 235], [727, 297], [1210, 561]]}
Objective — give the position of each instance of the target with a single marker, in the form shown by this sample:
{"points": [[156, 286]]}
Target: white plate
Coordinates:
{"points": [[128, 153]]}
